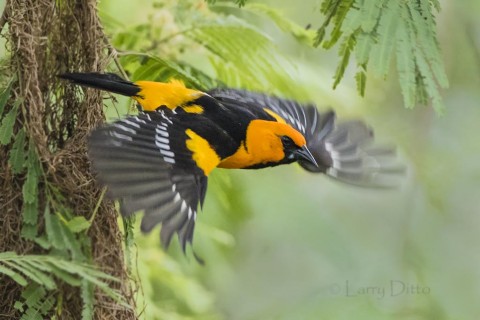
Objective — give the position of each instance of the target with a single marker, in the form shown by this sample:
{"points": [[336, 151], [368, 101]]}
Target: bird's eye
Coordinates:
{"points": [[287, 141]]}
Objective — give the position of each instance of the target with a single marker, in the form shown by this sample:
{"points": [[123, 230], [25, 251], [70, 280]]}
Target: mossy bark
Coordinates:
{"points": [[45, 38]]}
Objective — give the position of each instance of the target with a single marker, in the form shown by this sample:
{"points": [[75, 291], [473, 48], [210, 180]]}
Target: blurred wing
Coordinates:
{"points": [[144, 163], [343, 151], [346, 152]]}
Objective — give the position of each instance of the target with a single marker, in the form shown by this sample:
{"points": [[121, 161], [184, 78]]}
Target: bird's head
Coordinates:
{"points": [[289, 142], [296, 149]]}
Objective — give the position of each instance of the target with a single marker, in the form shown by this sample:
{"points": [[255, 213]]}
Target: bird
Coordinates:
{"points": [[158, 161]]}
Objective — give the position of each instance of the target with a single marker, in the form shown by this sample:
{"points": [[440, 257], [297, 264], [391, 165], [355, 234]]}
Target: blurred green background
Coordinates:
{"points": [[285, 244]]}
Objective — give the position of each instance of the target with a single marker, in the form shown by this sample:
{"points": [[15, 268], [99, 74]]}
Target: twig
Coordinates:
{"points": [[97, 206], [114, 54], [173, 35]]}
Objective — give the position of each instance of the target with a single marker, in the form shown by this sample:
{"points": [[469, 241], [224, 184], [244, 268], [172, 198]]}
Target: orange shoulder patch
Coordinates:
{"points": [[173, 94], [202, 153]]}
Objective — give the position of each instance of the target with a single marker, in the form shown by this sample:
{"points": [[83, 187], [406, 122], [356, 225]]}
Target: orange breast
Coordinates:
{"points": [[262, 145]]}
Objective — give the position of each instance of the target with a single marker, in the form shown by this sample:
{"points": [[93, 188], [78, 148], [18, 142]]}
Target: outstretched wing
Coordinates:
{"points": [[344, 150], [144, 162], [299, 116]]}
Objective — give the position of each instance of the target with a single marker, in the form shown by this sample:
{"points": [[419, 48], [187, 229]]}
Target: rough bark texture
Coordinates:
{"points": [[48, 37]]}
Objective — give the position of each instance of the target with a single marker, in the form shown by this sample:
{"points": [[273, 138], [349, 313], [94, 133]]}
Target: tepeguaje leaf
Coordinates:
{"points": [[406, 61], [344, 52], [370, 11], [386, 29], [387, 33]]}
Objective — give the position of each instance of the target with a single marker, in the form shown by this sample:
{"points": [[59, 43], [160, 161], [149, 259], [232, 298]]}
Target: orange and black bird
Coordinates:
{"points": [[158, 161]]}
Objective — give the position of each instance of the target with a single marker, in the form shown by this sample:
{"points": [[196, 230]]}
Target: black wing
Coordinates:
{"points": [[342, 150], [144, 163]]}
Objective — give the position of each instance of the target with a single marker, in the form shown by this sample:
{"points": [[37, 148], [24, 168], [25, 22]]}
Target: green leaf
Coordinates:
{"points": [[43, 242], [53, 229], [30, 187], [88, 299], [406, 60], [353, 20], [17, 154], [345, 50], [7, 255], [424, 24], [321, 32], [15, 276], [157, 69], [30, 212], [18, 306], [78, 224], [29, 231], [387, 33], [429, 82], [33, 296], [341, 10], [370, 12], [38, 276], [37, 302], [361, 79], [72, 243], [65, 276], [6, 127], [363, 48], [246, 51], [33, 274], [40, 269], [384, 29]]}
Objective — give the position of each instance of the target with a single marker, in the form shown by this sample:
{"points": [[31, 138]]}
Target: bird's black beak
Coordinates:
{"points": [[304, 153]]}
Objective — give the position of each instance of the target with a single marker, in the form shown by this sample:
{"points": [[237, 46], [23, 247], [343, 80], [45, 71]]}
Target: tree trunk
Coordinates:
{"points": [[46, 38]]}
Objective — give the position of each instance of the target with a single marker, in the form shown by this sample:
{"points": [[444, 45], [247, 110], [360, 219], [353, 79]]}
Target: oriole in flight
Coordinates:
{"points": [[159, 160]]}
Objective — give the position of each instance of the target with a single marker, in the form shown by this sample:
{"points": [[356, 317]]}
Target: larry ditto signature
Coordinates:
{"points": [[394, 288]]}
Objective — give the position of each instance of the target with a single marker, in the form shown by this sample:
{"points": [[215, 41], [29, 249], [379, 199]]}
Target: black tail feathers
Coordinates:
{"points": [[104, 81]]}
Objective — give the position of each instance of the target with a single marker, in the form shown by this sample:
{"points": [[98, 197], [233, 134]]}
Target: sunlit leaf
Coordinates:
{"points": [[78, 224]]}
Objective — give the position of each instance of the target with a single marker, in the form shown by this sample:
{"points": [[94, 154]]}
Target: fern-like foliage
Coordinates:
{"points": [[239, 54], [243, 56], [63, 237], [277, 16], [39, 274], [377, 31]]}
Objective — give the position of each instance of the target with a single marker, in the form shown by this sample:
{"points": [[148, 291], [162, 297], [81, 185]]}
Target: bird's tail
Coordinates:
{"points": [[346, 152], [108, 82]]}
